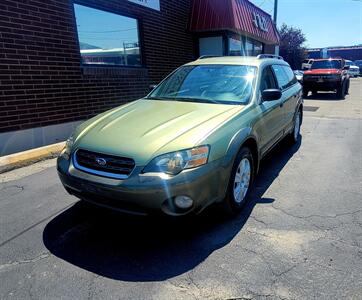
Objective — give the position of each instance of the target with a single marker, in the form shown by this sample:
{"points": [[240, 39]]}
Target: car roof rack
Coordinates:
{"points": [[208, 56], [262, 56]]}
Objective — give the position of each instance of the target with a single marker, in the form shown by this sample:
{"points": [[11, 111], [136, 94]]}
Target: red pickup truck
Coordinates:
{"points": [[327, 75]]}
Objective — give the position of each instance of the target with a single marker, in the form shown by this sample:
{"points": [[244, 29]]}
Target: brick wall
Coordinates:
{"points": [[41, 80]]}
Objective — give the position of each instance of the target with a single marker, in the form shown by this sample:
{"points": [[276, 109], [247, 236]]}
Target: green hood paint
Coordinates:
{"points": [[146, 128]]}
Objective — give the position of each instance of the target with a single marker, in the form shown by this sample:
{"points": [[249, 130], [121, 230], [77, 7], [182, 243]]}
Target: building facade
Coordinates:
{"points": [[64, 61], [349, 52]]}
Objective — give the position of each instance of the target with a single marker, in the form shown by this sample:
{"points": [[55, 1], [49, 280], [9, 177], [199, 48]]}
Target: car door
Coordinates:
{"points": [[292, 95], [269, 126]]}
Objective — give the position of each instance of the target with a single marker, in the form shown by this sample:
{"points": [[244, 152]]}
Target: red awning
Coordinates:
{"points": [[240, 16]]}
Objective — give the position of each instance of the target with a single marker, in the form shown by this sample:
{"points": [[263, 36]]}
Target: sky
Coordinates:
{"points": [[324, 22], [103, 29]]}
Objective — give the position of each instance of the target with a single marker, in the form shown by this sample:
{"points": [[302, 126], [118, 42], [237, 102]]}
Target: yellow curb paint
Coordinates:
{"points": [[20, 159]]}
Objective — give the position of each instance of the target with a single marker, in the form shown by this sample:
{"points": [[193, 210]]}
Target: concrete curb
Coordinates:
{"points": [[24, 158]]}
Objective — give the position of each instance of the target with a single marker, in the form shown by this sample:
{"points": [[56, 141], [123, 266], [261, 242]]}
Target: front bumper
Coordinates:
{"points": [[326, 85], [148, 193]]}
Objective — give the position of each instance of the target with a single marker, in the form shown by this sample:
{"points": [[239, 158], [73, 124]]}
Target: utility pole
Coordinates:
{"points": [[275, 11], [275, 22]]}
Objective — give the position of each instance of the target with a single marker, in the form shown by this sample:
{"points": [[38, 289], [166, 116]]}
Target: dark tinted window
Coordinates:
{"points": [[267, 80], [326, 64], [281, 76]]}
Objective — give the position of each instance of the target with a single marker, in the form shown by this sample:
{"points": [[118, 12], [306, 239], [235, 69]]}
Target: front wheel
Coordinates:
{"points": [[347, 88], [305, 93], [241, 178], [341, 90]]}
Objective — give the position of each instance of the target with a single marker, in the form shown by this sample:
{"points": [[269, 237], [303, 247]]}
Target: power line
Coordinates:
{"points": [[107, 31]]}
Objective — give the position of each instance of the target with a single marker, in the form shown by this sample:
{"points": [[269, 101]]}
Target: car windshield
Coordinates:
{"points": [[226, 84], [326, 64]]}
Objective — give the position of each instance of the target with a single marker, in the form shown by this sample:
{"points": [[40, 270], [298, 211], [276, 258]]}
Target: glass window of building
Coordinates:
{"points": [[253, 47], [235, 47], [106, 38], [249, 47], [258, 48]]}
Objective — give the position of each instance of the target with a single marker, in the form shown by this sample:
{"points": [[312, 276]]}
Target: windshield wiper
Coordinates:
{"points": [[158, 98], [190, 99]]}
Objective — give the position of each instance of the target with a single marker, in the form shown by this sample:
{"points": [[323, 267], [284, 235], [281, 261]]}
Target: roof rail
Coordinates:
{"points": [[207, 56], [262, 56]]}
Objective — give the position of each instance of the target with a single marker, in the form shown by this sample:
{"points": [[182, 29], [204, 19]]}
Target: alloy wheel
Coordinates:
{"points": [[242, 180]]}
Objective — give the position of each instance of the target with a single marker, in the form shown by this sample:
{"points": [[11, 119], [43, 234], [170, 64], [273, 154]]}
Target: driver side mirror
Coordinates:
{"points": [[346, 68], [271, 94]]}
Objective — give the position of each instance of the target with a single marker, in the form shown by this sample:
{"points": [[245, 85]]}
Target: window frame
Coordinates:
{"points": [[122, 13]]}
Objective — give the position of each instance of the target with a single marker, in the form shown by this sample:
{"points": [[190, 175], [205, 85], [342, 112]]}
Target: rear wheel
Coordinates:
{"points": [[241, 178], [295, 134]]}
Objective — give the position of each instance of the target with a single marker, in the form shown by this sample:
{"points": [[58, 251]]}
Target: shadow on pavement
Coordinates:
{"points": [[131, 248]]}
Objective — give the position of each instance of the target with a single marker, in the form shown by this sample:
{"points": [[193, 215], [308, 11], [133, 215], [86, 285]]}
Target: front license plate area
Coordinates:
{"points": [[88, 188]]}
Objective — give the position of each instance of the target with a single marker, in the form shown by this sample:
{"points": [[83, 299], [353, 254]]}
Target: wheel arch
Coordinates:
{"points": [[243, 138]]}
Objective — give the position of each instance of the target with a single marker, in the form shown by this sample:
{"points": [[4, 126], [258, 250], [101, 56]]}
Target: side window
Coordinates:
{"points": [[267, 80], [291, 75], [281, 76]]}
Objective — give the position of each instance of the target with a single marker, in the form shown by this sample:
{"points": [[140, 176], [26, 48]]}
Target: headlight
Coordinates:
{"points": [[174, 162], [68, 147]]}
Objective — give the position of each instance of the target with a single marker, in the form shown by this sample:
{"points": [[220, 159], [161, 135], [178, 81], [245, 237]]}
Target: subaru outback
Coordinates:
{"points": [[196, 139]]}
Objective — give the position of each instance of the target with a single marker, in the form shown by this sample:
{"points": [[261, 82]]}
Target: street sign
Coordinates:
{"points": [[260, 22]]}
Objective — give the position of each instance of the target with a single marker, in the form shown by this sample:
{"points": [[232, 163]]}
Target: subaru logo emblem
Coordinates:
{"points": [[101, 161]]}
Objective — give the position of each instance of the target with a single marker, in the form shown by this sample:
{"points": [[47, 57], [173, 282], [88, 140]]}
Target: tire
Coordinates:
{"points": [[305, 93], [347, 88], [341, 90], [294, 136], [231, 204]]}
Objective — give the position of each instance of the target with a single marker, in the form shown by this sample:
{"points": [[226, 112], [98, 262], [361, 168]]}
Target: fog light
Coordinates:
{"points": [[183, 202]]}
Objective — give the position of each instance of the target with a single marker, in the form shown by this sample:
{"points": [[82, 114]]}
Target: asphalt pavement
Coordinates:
{"points": [[300, 236]]}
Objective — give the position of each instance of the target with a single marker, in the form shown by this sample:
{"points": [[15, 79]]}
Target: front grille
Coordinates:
{"points": [[316, 77], [103, 164]]}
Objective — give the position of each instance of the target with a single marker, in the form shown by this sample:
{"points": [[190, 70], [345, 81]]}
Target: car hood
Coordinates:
{"points": [[146, 128], [322, 71]]}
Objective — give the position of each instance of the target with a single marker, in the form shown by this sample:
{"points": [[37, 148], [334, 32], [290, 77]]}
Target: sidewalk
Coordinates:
{"points": [[24, 158]]}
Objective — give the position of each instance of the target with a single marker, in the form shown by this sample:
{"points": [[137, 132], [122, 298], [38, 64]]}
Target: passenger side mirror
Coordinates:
{"points": [[346, 68], [271, 94], [152, 87]]}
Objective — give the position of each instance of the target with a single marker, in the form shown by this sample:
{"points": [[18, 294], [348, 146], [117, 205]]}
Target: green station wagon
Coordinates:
{"points": [[195, 140]]}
